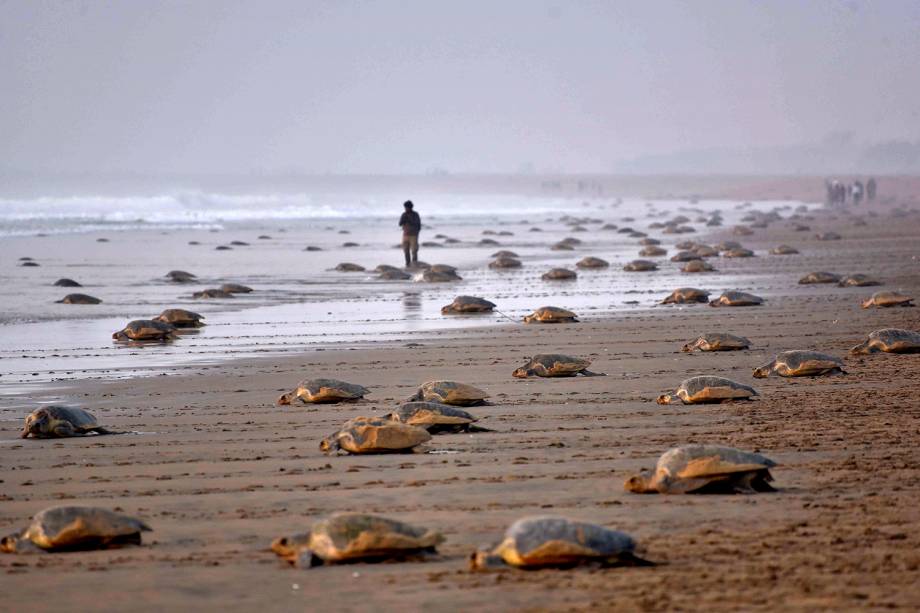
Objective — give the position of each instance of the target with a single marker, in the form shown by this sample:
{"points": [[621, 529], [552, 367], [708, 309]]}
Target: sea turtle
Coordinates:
{"points": [[551, 315], [819, 277], [468, 304], [728, 245], [211, 293], [78, 299], [889, 340], [717, 341], [355, 537], [387, 268], [435, 417], [739, 252], [697, 266], [887, 299], [66, 283], [490, 242], [145, 330], [559, 274], [562, 247], [828, 236], [180, 318], [324, 391], [640, 266], [30, 264], [554, 365], [686, 245], [180, 276], [504, 253], [652, 251], [451, 270], [449, 392], [549, 541], [685, 295], [799, 363], [349, 267], [235, 288], [592, 262], [736, 299], [784, 250], [708, 389], [857, 280], [75, 527], [742, 231], [505, 261], [374, 435], [705, 469], [394, 275], [704, 251], [432, 276], [684, 256], [58, 422], [649, 241], [239, 243], [571, 240], [312, 248]]}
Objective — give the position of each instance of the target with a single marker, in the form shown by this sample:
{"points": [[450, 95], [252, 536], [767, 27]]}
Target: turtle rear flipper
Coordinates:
{"points": [[588, 373], [475, 428], [627, 558], [101, 430]]}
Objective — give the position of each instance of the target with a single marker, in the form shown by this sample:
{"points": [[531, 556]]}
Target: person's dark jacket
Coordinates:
{"points": [[411, 223]]}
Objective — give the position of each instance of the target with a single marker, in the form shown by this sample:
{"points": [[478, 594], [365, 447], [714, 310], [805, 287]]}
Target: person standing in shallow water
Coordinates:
{"points": [[411, 225]]}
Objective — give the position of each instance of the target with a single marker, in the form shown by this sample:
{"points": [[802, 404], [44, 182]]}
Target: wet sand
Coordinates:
{"points": [[218, 470]]}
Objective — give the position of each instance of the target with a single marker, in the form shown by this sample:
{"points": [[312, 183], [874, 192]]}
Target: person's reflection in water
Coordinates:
{"points": [[412, 305]]}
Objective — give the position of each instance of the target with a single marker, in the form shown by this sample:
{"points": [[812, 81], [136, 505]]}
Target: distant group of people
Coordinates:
{"points": [[841, 193]]}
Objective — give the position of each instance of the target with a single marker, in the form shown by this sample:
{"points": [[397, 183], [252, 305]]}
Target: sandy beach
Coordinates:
{"points": [[218, 470]]}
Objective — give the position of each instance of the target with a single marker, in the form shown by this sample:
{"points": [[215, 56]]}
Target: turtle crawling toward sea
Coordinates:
{"points": [[686, 295], [736, 299], [235, 288], [889, 340], [738, 252], [349, 267], [145, 330], [640, 266], [551, 315], [374, 435], [65, 282], [707, 389], [211, 293], [819, 277], [180, 318], [590, 262], [559, 274], [449, 392], [75, 527], [180, 276], [697, 266], [505, 261], [324, 391], [355, 537], [437, 276], [467, 304], [79, 299], [435, 417], [652, 251], [784, 250], [557, 542], [60, 422], [888, 299], [700, 469], [799, 363], [857, 280], [555, 365], [717, 341], [394, 275]]}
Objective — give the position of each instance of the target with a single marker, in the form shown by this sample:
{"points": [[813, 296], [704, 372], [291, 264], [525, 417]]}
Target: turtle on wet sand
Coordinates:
{"points": [[590, 262], [640, 266], [505, 261], [717, 341], [436, 417], [79, 299], [75, 527], [349, 267], [889, 340], [504, 253], [435, 276], [828, 236], [702, 469], [324, 391], [554, 365], [783, 250], [697, 266], [819, 277], [467, 304], [394, 275], [686, 295], [738, 252], [798, 363], [551, 315], [559, 274], [652, 251], [450, 392], [180, 318], [235, 288], [736, 299], [887, 299], [546, 541], [374, 435], [211, 293], [145, 330], [65, 282], [708, 389], [180, 276], [356, 537], [60, 422], [684, 256], [857, 280]]}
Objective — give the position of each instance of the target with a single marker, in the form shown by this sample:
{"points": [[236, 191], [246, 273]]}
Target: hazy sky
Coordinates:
{"points": [[314, 87]]}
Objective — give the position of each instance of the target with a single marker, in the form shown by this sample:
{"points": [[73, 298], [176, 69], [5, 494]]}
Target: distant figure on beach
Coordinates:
{"points": [[857, 191], [870, 189], [411, 225]]}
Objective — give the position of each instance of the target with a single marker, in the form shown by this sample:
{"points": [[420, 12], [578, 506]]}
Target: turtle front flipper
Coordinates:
{"points": [[64, 429], [475, 428], [626, 558]]}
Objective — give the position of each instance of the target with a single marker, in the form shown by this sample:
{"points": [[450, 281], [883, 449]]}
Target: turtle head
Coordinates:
{"points": [[667, 399], [36, 424], [484, 559], [522, 373], [394, 416], [529, 318], [640, 483], [762, 372], [689, 347], [285, 399], [863, 349], [330, 444]]}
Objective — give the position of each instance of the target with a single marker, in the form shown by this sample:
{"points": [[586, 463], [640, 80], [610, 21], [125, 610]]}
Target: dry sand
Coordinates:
{"points": [[221, 470]]}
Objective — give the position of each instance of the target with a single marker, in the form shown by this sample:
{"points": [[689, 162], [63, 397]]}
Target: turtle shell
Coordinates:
{"points": [[717, 341], [78, 527], [798, 363], [857, 280], [549, 541], [65, 282], [697, 266], [684, 256], [346, 537], [889, 340], [505, 261], [563, 246], [649, 241], [592, 262], [180, 276], [652, 251], [887, 299], [433, 416], [691, 468], [736, 299], [739, 252], [57, 421], [145, 330], [180, 318], [819, 277], [551, 315], [552, 365], [434, 276], [640, 266], [324, 391], [504, 253], [235, 288], [79, 299], [211, 293], [783, 250], [559, 274], [708, 389], [450, 392], [686, 295], [828, 236], [468, 304], [375, 435], [394, 275], [349, 267], [387, 268], [705, 251]]}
